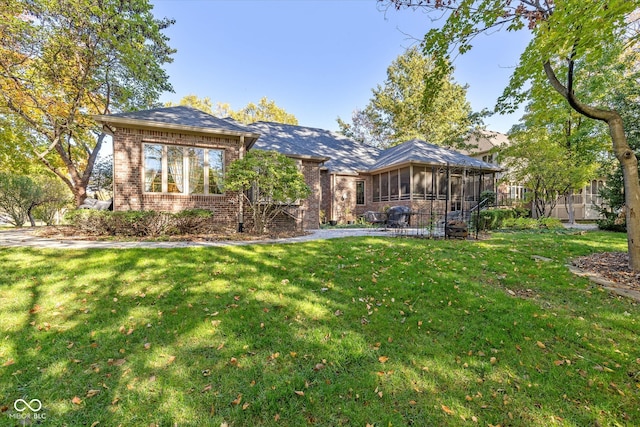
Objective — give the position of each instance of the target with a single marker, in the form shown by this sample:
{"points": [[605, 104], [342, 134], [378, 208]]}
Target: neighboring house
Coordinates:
{"points": [[486, 147], [174, 158]]}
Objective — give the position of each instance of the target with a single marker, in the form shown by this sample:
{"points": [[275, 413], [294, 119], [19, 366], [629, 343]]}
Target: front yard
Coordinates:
{"points": [[358, 331]]}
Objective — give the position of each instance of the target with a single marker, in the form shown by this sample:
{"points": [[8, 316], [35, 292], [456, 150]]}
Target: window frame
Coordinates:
{"points": [[361, 187], [185, 169]]}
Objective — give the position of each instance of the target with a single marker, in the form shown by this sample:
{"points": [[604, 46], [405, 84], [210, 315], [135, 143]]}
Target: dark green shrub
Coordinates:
{"points": [[610, 222], [192, 221], [140, 223], [491, 219], [550, 223]]}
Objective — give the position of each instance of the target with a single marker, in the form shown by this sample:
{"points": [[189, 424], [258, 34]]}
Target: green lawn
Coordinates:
{"points": [[378, 331]]}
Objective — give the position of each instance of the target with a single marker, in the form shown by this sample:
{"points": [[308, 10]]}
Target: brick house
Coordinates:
{"points": [[174, 158]]}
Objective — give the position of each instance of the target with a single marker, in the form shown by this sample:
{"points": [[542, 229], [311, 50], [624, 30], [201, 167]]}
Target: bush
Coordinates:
{"points": [[521, 223], [140, 223], [193, 221], [550, 223], [492, 219], [610, 222]]}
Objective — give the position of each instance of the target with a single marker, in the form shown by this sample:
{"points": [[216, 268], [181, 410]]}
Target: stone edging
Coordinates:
{"points": [[616, 288]]}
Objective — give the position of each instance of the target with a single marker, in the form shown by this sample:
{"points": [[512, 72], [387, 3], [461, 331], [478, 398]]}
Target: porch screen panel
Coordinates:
{"points": [[195, 160], [175, 163], [419, 182], [394, 185], [442, 183], [376, 188], [153, 168], [216, 171], [384, 187], [405, 184]]}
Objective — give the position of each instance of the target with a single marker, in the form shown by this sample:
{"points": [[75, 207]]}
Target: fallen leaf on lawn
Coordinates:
{"points": [[540, 344], [233, 361], [446, 409], [299, 392], [171, 359], [245, 406], [238, 400], [95, 423], [147, 346], [276, 417], [76, 400], [36, 308], [558, 362], [206, 388], [413, 402], [318, 367], [383, 359], [115, 401], [116, 362], [212, 411], [9, 362], [92, 393]]}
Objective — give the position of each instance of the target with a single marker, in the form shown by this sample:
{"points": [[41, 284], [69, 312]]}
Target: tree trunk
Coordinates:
{"points": [[629, 163], [570, 209], [622, 151], [30, 215]]}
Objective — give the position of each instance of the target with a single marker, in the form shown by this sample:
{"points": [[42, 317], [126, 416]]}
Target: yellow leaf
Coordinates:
{"points": [[92, 393], [76, 400], [299, 392], [383, 359], [9, 362], [540, 344], [171, 359], [238, 400], [245, 406], [447, 410]]}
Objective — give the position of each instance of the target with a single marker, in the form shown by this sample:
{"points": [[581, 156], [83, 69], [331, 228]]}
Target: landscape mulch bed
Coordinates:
{"points": [[610, 269], [65, 232]]}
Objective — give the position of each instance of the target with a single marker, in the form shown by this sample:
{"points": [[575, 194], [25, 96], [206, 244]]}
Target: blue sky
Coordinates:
{"points": [[317, 59]]}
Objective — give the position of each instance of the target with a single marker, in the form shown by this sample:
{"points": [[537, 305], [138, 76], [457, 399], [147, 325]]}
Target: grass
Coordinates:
{"points": [[358, 331]]}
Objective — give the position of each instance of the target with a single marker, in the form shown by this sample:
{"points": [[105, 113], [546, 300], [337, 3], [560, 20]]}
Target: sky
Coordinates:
{"points": [[317, 59]]}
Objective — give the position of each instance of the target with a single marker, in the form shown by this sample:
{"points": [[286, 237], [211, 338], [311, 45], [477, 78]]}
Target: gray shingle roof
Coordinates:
{"points": [[416, 151], [183, 116], [346, 155]]}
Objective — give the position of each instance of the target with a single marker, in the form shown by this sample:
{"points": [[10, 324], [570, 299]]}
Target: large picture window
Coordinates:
{"points": [[183, 170]]}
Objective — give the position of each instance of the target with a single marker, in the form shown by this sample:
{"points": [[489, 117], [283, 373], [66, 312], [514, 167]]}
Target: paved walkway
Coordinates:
{"points": [[24, 238]]}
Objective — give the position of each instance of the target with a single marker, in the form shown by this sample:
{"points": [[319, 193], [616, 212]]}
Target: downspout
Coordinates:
{"points": [[240, 196]]}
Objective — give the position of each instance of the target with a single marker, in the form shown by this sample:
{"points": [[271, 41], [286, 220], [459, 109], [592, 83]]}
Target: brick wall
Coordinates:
{"points": [[129, 172], [129, 178]]}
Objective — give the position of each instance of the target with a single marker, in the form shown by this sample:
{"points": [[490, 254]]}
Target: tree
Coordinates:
{"points": [[265, 110], [202, 104], [63, 61], [270, 183], [21, 196], [396, 112], [570, 33]]}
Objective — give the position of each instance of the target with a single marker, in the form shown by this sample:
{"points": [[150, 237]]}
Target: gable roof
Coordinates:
{"points": [[417, 151], [345, 155], [181, 118], [484, 142]]}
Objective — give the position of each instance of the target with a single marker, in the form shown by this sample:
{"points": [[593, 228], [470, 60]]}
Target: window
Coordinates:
{"points": [[376, 188], [359, 192], [153, 168], [182, 170]]}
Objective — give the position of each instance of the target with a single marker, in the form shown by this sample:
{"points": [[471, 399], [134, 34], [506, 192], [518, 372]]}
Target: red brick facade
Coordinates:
{"points": [[129, 191]]}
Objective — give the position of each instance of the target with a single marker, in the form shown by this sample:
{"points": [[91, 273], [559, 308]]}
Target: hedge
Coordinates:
{"points": [[141, 223]]}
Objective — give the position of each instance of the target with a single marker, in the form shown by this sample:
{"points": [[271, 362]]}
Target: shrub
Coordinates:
{"points": [[550, 223], [521, 223], [492, 219], [140, 223], [193, 221]]}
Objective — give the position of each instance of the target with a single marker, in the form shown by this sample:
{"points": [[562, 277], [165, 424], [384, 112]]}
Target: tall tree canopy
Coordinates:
{"points": [[396, 112], [63, 61], [567, 35], [265, 111]]}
